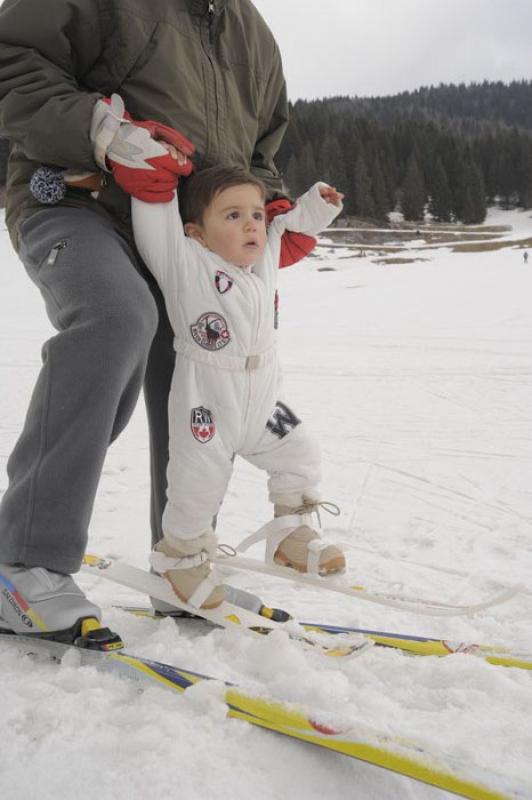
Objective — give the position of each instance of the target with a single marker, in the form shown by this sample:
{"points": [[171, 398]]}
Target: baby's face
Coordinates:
{"points": [[234, 225]]}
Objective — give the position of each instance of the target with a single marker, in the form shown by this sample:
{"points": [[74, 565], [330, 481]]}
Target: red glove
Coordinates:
{"points": [[148, 171], [163, 133], [294, 245], [140, 164]]}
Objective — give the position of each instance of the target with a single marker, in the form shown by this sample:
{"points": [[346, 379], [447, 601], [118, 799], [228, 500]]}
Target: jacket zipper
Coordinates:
{"points": [[256, 296], [211, 19], [54, 252], [209, 51], [256, 302]]}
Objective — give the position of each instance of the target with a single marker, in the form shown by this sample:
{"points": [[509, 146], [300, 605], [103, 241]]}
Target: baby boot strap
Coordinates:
{"points": [[273, 533]]}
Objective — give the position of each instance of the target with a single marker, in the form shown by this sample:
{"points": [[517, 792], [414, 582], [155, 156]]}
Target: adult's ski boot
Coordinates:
{"points": [[35, 601]]}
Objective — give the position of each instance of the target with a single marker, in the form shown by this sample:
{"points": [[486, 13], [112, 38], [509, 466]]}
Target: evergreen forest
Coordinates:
{"points": [[450, 150]]}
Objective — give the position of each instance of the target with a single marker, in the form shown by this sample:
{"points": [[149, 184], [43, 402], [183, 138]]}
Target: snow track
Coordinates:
{"points": [[417, 379]]}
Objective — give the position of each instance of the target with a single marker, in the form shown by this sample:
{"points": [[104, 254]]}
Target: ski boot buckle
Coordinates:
{"points": [[94, 637]]}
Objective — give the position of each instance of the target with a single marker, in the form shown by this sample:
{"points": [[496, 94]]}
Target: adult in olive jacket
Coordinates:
{"points": [[208, 68]]}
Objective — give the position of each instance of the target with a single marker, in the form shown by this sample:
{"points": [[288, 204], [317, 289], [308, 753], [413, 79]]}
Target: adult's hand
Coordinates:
{"points": [[137, 153], [294, 245]]}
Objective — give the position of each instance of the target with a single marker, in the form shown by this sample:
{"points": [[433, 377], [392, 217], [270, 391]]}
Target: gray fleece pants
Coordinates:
{"points": [[113, 336]]}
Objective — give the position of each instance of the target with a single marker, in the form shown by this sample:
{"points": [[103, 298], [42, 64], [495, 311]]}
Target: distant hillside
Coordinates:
{"points": [[455, 148], [510, 104]]}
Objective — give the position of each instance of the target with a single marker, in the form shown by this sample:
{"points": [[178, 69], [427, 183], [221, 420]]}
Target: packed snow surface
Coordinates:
{"points": [[417, 379]]}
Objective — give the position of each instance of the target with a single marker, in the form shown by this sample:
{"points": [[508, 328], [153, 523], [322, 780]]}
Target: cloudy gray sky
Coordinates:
{"points": [[373, 47]]}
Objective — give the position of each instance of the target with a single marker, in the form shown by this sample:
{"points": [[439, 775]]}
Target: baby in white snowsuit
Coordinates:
{"points": [[218, 274]]}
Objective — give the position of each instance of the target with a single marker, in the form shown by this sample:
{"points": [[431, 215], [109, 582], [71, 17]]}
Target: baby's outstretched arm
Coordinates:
{"points": [[314, 211]]}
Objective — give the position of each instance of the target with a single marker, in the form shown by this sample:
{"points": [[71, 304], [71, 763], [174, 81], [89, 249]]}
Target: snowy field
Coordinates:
{"points": [[418, 380]]}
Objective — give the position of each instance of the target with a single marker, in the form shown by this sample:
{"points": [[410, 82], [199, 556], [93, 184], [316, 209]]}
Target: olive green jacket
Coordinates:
{"points": [[210, 68]]}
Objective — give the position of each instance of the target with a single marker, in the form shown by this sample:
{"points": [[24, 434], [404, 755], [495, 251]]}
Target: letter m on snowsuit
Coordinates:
{"points": [[282, 421]]}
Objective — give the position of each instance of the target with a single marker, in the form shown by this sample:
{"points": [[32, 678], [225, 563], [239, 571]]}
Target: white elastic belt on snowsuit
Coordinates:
{"points": [[223, 361]]}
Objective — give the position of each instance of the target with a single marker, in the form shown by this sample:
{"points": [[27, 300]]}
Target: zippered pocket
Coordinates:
{"points": [[54, 252]]}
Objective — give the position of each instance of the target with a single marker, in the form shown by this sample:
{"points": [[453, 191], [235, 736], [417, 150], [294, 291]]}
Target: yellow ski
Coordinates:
{"points": [[399, 755]]}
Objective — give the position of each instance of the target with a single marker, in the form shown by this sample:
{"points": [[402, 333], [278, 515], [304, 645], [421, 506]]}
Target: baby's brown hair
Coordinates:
{"points": [[202, 187]]}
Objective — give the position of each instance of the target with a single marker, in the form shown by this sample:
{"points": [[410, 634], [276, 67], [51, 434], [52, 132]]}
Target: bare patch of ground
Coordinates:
{"points": [[465, 247], [393, 236], [390, 261], [366, 239]]}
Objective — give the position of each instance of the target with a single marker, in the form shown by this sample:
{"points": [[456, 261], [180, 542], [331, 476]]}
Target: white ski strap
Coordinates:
{"points": [[162, 563], [202, 592], [274, 532], [315, 547], [278, 529]]}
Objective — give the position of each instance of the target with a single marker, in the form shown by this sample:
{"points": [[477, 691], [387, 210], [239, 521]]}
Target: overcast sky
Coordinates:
{"points": [[375, 47]]}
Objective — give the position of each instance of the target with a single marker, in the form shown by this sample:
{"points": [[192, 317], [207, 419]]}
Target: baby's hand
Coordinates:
{"points": [[176, 154], [330, 195]]}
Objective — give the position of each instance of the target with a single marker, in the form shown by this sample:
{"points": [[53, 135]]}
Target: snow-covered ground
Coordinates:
{"points": [[417, 378]]}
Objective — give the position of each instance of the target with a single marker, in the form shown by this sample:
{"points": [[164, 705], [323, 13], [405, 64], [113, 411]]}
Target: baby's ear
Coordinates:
{"points": [[194, 231]]}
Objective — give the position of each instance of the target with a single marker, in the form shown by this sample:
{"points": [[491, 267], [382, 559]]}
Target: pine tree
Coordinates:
{"points": [[364, 204], [350, 145], [379, 192], [474, 205], [325, 161], [490, 170], [456, 170], [479, 194], [468, 209], [524, 187], [389, 171], [440, 202], [506, 180], [292, 176], [308, 168], [413, 192]]}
